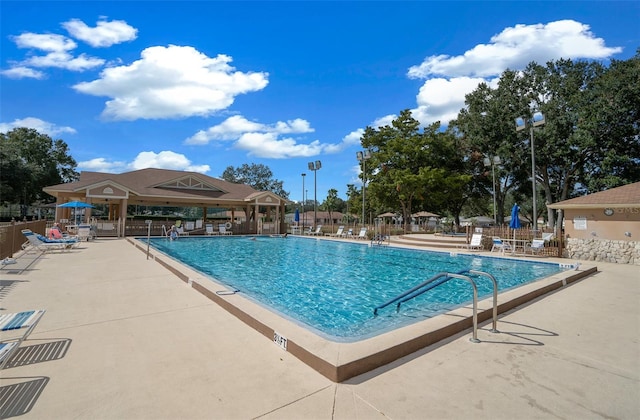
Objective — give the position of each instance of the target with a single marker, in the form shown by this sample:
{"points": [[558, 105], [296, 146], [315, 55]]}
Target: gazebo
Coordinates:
{"points": [[169, 188]]}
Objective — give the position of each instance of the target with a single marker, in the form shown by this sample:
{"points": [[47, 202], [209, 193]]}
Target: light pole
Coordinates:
{"points": [[536, 121], [303, 214], [493, 162], [314, 166], [363, 157], [349, 189]]}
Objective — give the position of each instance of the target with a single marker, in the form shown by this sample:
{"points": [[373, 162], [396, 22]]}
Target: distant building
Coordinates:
{"points": [[603, 226]]}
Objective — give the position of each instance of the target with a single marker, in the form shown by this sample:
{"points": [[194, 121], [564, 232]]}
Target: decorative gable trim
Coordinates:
{"points": [[189, 183]]}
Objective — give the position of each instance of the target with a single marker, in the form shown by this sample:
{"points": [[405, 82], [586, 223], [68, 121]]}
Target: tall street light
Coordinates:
{"points": [[303, 213], [363, 157], [349, 189], [493, 162], [314, 166], [521, 124]]}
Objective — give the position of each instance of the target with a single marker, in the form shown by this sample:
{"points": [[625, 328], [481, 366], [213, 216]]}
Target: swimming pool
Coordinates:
{"points": [[332, 287]]}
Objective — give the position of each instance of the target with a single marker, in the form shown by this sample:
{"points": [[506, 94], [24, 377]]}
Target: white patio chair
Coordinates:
{"points": [[475, 244]]}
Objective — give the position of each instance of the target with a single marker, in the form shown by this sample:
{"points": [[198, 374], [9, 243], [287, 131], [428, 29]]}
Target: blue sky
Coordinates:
{"points": [[203, 85]]}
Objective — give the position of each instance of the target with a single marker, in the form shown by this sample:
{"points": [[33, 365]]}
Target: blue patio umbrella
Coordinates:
{"points": [[75, 205], [296, 216], [515, 219], [515, 222]]}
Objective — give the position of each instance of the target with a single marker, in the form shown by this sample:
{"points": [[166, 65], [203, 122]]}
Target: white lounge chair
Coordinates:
{"points": [[45, 244], [15, 328], [209, 230], [85, 233], [222, 229], [362, 234], [318, 231], [535, 247], [338, 232], [500, 245], [475, 244], [181, 231]]}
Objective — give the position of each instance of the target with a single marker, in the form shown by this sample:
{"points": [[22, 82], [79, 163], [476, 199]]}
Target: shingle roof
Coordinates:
{"points": [[163, 183], [624, 196]]}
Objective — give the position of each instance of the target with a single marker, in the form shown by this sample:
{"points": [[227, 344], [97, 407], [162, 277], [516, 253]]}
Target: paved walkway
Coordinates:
{"points": [[123, 338]]}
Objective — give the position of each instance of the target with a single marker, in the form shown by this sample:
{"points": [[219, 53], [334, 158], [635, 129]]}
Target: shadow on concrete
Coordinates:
{"points": [[19, 398], [38, 353]]}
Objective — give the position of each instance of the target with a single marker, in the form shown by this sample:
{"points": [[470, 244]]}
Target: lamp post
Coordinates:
{"points": [[493, 162], [349, 189], [536, 120], [303, 215], [314, 166], [363, 157]]}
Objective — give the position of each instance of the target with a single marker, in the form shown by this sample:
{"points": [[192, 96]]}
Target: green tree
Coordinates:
{"points": [[330, 203], [30, 161], [257, 176], [590, 137], [409, 167], [611, 116]]}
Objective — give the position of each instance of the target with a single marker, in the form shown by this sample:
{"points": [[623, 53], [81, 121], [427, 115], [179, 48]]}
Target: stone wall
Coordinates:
{"points": [[621, 252]]}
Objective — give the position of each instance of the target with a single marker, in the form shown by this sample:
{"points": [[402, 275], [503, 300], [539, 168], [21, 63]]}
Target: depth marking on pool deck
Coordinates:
{"points": [[340, 361]]}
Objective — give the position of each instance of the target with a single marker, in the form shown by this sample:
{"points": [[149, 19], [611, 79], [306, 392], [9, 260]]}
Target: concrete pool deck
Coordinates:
{"points": [[124, 338]]}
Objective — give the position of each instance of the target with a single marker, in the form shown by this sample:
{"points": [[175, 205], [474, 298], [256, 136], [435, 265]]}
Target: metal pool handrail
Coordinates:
{"points": [[408, 292], [428, 287], [441, 278]]}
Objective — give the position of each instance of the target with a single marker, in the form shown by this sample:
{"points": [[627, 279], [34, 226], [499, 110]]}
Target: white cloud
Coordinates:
{"points": [[516, 47], [21, 72], [268, 145], [64, 60], [441, 99], [57, 55], [102, 165], [353, 137], [384, 121], [265, 140], [166, 160], [41, 126], [233, 127], [162, 160], [450, 78], [171, 82], [44, 42], [104, 34]]}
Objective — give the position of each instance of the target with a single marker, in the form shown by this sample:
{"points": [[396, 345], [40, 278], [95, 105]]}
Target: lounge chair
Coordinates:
{"points": [[500, 245], [21, 324], [209, 230], [45, 244], [181, 231], [222, 229], [535, 247], [338, 232], [348, 234], [318, 231], [475, 244], [362, 234], [85, 233]]}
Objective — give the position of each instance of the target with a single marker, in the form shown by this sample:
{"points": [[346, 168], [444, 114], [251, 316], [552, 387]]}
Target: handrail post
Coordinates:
{"points": [[474, 338], [495, 297]]}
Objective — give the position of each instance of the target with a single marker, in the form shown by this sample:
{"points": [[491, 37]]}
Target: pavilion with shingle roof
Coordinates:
{"points": [[164, 187]]}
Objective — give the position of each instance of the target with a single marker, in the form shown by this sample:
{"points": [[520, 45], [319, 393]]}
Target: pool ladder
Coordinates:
{"points": [[442, 278]]}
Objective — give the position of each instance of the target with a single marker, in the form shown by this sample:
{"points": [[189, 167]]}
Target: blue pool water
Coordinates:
{"points": [[333, 287]]}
